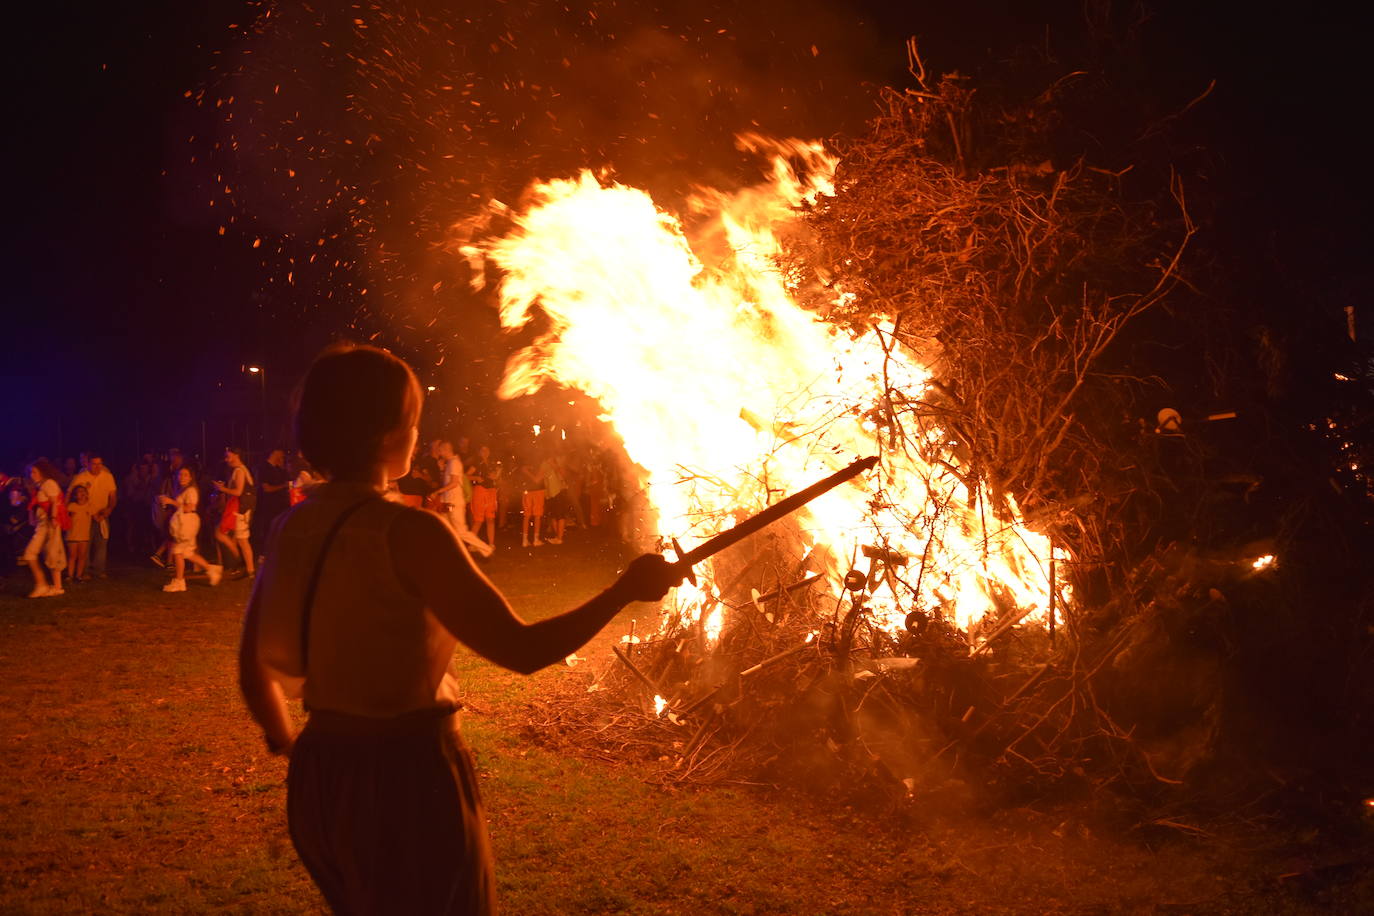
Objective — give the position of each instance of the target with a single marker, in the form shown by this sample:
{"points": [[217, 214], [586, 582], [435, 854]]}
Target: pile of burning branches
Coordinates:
{"points": [[1010, 283], [803, 688], [1012, 279]]}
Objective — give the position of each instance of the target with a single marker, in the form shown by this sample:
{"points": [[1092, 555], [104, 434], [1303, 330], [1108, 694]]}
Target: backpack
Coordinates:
{"points": [[248, 499]]}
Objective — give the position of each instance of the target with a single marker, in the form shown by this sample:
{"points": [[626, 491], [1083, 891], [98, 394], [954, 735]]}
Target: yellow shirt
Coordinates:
{"points": [[100, 487], [81, 521]]}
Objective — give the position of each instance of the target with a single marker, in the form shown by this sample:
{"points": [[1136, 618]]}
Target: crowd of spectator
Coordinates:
{"points": [[211, 522], [539, 486], [60, 518]]}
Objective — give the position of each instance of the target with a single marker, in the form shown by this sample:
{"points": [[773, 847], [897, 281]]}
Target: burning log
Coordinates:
{"points": [[640, 675], [773, 660], [761, 600]]}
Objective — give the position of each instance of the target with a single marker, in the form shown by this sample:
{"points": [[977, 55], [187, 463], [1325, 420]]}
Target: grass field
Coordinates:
{"points": [[133, 781]]}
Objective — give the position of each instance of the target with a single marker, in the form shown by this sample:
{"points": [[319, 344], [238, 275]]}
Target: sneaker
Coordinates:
{"points": [[214, 574], [524, 542], [538, 543], [157, 560], [39, 591], [239, 573], [176, 585], [54, 591], [555, 540]]}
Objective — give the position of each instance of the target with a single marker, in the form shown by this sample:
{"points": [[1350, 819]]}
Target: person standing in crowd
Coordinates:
{"points": [[594, 475], [428, 466], [485, 474], [450, 497], [48, 516], [509, 487], [239, 501], [148, 536], [161, 511], [463, 452], [14, 523], [382, 797], [66, 471], [574, 478], [555, 494], [306, 480], [183, 529], [532, 504], [100, 483], [413, 488], [274, 495], [79, 537], [135, 494]]}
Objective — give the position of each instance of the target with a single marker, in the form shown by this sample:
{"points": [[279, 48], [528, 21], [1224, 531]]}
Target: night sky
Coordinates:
{"points": [[195, 187]]}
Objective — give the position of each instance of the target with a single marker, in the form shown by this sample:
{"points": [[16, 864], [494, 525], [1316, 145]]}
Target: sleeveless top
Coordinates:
{"points": [[374, 648]]}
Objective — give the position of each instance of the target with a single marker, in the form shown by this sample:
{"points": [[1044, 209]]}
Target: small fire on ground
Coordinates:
{"points": [[729, 394]]}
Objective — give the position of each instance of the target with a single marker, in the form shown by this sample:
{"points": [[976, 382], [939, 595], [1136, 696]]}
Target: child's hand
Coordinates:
{"points": [[648, 578]]}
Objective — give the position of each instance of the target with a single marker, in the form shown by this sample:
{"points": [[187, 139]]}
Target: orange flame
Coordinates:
{"points": [[729, 395]]}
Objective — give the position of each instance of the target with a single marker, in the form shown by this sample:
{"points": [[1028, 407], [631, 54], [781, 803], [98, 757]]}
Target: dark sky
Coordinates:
{"points": [[199, 186]]}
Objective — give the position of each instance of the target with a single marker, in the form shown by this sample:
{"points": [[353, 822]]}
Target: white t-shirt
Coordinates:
{"points": [[453, 471], [48, 495], [188, 499]]}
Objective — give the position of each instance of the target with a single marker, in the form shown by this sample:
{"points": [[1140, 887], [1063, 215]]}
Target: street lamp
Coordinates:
{"points": [[261, 373]]}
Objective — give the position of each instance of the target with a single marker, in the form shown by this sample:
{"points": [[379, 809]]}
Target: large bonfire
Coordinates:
{"points": [[728, 387], [728, 394]]}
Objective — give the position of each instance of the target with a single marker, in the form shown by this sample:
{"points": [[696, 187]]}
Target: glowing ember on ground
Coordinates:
{"points": [[729, 395]]}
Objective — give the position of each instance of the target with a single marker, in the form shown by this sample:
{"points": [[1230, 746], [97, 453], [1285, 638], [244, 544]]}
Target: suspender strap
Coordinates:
{"points": [[315, 579]]}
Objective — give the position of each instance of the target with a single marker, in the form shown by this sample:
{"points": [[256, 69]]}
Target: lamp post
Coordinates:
{"points": [[261, 374]]}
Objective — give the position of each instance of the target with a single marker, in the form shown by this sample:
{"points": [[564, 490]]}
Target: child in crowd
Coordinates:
{"points": [[183, 528], [532, 504], [79, 537]]}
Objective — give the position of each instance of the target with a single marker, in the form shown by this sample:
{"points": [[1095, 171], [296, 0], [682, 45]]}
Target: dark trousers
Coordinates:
{"points": [[100, 548], [386, 816]]}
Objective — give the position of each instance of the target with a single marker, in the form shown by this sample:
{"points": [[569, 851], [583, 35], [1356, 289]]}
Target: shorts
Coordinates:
{"points": [[239, 525], [483, 504], [183, 528], [46, 542], [532, 503]]}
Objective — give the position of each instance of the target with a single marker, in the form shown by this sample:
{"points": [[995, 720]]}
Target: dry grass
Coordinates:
{"points": [[134, 782]]}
